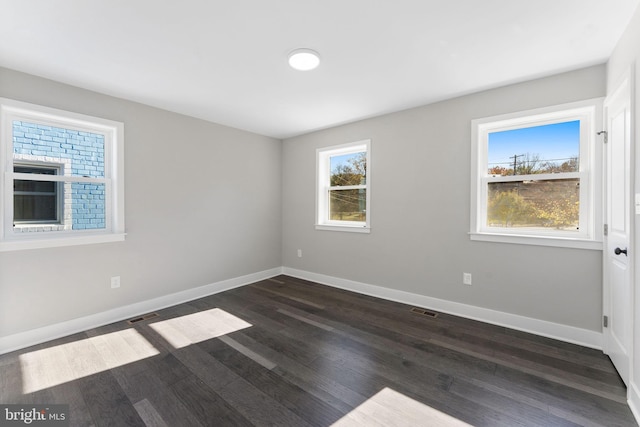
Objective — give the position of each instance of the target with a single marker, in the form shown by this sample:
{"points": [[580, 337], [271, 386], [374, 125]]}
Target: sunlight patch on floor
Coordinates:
{"points": [[197, 327], [68, 362], [389, 408]]}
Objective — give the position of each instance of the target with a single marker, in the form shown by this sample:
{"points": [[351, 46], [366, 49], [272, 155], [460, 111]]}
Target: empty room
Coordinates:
{"points": [[319, 213]]}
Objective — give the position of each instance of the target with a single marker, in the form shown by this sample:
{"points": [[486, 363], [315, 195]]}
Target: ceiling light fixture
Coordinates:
{"points": [[304, 59]]}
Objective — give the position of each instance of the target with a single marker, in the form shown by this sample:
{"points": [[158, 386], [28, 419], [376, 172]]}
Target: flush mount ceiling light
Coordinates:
{"points": [[304, 59]]}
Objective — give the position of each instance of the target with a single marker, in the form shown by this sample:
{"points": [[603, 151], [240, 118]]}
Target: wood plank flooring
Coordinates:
{"points": [[288, 352]]}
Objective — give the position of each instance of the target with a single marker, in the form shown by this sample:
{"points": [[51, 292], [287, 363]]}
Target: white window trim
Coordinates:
{"points": [[323, 174], [11, 110], [590, 173]]}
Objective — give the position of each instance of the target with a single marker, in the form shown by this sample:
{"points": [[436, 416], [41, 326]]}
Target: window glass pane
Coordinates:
{"points": [[348, 169], [550, 148], [543, 204], [81, 152], [88, 206], [84, 207], [41, 170], [348, 205], [20, 186], [40, 208]]}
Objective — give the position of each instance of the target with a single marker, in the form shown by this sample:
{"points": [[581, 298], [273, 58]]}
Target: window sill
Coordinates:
{"points": [[38, 228], [346, 228], [560, 242], [54, 242]]}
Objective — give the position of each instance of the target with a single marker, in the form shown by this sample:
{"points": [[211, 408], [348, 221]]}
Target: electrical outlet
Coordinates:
{"points": [[466, 279], [115, 282], [299, 253]]}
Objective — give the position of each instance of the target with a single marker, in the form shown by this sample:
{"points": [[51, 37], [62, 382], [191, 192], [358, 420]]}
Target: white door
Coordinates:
{"points": [[617, 252]]}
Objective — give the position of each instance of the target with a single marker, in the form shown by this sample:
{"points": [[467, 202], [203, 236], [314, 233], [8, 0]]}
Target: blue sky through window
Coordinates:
{"points": [[556, 143], [342, 160]]}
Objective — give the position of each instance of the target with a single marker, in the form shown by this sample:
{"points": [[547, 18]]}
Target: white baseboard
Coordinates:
{"points": [[633, 399], [566, 333], [571, 334], [36, 336]]}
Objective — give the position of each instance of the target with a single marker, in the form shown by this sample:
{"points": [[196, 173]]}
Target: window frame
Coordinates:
{"points": [[589, 236], [323, 187], [113, 132]]}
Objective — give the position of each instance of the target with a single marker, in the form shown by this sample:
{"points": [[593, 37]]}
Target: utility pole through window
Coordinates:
{"points": [[515, 162]]}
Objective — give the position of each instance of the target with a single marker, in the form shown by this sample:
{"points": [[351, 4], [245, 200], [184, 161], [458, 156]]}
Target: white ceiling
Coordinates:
{"points": [[226, 61]]}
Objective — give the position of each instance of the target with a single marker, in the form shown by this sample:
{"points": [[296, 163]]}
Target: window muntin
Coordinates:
{"points": [[534, 176], [343, 187], [62, 178]]}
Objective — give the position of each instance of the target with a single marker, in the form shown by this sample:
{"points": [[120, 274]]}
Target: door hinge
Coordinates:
{"points": [[605, 321], [606, 135], [606, 229]]}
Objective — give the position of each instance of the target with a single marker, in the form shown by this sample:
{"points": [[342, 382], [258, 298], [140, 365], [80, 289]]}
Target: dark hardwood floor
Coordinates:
{"points": [[288, 352]]}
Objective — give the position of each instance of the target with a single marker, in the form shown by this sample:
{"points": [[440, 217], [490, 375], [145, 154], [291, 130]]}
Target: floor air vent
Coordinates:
{"points": [[424, 312], [141, 318]]}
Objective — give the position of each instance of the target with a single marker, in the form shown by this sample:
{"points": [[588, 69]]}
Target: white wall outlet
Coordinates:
{"points": [[466, 279], [299, 253], [115, 282]]}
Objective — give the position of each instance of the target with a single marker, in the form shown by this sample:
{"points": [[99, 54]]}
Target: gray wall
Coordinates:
{"points": [[203, 204], [248, 201], [420, 211]]}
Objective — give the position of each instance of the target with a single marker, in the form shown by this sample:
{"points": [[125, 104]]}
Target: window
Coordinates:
{"points": [[62, 180], [36, 201], [343, 187], [535, 177]]}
